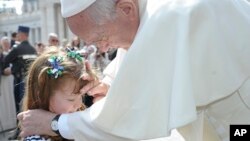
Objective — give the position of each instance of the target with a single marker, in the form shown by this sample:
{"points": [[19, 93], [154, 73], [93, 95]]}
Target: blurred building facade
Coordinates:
{"points": [[42, 16]]}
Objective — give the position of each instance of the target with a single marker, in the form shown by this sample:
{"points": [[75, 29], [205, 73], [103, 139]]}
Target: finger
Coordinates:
{"points": [[25, 123], [20, 116], [89, 86], [20, 124], [22, 134], [85, 88], [87, 76], [98, 98], [100, 89], [87, 65]]}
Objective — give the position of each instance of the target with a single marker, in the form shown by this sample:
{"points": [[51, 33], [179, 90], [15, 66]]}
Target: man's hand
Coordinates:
{"points": [[95, 87], [98, 92], [36, 122]]}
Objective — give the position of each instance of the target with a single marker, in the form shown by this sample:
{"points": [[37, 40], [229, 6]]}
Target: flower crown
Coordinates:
{"points": [[56, 69]]}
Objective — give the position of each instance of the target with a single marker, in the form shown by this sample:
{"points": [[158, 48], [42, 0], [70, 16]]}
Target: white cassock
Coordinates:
{"points": [[186, 54], [7, 103]]}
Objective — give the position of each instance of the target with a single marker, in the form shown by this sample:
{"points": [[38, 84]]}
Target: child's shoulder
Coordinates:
{"points": [[36, 138]]}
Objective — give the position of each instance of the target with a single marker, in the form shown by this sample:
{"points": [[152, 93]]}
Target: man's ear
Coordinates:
{"points": [[128, 8]]}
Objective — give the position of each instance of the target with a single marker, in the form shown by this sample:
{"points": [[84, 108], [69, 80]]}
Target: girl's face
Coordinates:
{"points": [[64, 100]]}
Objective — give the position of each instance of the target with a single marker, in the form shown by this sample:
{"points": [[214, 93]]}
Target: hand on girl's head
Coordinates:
{"points": [[95, 87], [92, 84], [87, 76], [93, 81]]}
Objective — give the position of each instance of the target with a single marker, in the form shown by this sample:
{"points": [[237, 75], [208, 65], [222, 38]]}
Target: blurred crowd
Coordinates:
{"points": [[98, 59]]}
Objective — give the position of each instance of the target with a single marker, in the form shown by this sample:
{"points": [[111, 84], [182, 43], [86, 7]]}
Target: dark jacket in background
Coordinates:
{"points": [[15, 56]]}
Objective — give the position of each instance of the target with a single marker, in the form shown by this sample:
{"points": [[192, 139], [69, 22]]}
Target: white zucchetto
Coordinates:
{"points": [[72, 7]]}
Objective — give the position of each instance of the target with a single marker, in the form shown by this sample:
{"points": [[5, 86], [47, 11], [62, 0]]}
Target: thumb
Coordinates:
{"points": [[100, 89], [87, 65], [20, 116]]}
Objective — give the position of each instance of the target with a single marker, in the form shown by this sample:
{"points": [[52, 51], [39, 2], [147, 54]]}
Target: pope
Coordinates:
{"points": [[186, 67]]}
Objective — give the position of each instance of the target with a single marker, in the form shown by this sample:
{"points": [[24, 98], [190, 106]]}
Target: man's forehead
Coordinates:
{"points": [[84, 21], [73, 7]]}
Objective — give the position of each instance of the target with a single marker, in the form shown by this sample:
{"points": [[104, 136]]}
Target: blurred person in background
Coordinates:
{"points": [[53, 40], [101, 60], [65, 43], [5, 43], [7, 100], [88, 52], [76, 42], [13, 39], [1, 60], [40, 47]]}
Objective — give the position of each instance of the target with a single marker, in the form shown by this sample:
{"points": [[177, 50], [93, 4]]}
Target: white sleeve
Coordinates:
{"points": [[109, 73], [63, 127], [83, 129], [113, 67]]}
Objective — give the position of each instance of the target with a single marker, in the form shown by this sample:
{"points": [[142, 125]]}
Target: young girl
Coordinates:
{"points": [[53, 84]]}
